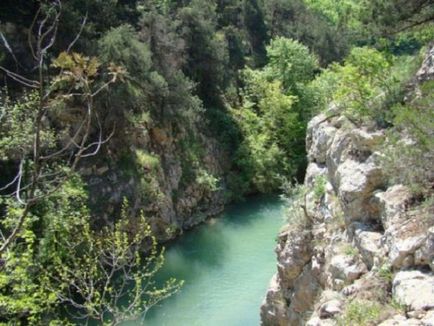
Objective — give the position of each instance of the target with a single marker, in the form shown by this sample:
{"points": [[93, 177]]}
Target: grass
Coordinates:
{"points": [[361, 313]]}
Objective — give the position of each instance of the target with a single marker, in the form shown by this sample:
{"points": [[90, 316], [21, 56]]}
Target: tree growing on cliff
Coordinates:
{"points": [[48, 131]]}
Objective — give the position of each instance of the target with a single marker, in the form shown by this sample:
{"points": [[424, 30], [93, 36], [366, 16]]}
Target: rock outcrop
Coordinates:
{"points": [[366, 255], [175, 175]]}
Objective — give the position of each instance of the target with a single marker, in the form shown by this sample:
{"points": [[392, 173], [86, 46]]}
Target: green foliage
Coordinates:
{"points": [[113, 279], [273, 116], [206, 49], [290, 62], [207, 180], [269, 126], [350, 250], [319, 188], [16, 125], [385, 272], [61, 260], [295, 195], [122, 46], [416, 149], [146, 160], [361, 312], [360, 86]]}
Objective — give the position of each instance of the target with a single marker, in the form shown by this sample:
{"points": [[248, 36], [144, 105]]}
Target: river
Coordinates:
{"points": [[226, 264]]}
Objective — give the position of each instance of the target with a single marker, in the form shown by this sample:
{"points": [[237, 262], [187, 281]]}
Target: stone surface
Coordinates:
{"points": [[392, 202], [386, 225], [356, 182], [330, 309], [400, 321], [293, 253], [319, 138], [425, 254], [401, 250], [369, 245], [273, 309], [426, 72], [346, 269], [414, 289]]}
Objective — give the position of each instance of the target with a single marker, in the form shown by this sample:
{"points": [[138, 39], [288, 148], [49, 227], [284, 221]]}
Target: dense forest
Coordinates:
{"points": [[122, 122]]}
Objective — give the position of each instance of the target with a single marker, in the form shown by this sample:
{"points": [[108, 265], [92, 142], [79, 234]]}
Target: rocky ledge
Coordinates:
{"points": [[367, 255]]}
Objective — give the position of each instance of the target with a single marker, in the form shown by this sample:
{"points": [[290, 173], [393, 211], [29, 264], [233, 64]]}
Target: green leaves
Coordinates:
{"points": [[359, 87], [290, 62]]}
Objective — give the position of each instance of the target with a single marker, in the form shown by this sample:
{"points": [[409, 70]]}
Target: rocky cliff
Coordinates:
{"points": [[365, 255], [174, 173]]}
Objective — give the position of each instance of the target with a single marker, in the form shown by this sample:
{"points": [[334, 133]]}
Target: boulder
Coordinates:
{"points": [[392, 202], [356, 183], [425, 254], [346, 269], [369, 245], [330, 309], [414, 289], [428, 319], [366, 141], [316, 321], [293, 253], [320, 135], [402, 250], [337, 153], [313, 171], [426, 71]]}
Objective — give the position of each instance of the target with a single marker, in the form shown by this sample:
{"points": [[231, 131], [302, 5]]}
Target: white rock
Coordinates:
{"points": [[356, 183], [369, 245], [400, 321], [414, 289], [401, 249], [428, 320], [330, 309], [316, 321], [425, 254], [392, 202], [345, 268], [319, 138]]}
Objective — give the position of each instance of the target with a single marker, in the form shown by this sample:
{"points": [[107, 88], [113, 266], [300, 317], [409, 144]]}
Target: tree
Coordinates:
{"points": [[66, 97], [108, 275]]}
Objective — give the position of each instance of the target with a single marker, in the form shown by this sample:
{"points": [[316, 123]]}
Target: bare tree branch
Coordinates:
{"points": [[83, 23]]}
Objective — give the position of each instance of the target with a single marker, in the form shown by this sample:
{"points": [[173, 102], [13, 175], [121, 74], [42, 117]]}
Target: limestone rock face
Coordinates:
{"points": [[392, 203], [365, 236], [319, 139], [356, 182], [160, 184], [294, 252], [414, 289], [345, 269], [273, 309]]}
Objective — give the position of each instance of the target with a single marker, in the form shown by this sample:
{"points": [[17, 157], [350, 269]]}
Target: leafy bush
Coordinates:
{"points": [[360, 86], [409, 150], [207, 180]]}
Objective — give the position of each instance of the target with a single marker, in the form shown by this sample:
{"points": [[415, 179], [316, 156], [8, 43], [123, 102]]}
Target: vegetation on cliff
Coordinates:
{"points": [[188, 103]]}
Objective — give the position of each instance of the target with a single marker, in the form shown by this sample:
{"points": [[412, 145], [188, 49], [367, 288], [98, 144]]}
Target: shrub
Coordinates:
{"points": [[409, 149], [361, 313]]}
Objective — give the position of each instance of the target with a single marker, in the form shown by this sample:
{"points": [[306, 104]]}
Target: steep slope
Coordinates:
{"points": [[365, 254]]}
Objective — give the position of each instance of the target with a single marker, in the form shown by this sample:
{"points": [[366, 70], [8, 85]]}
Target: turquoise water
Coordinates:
{"points": [[226, 265]]}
